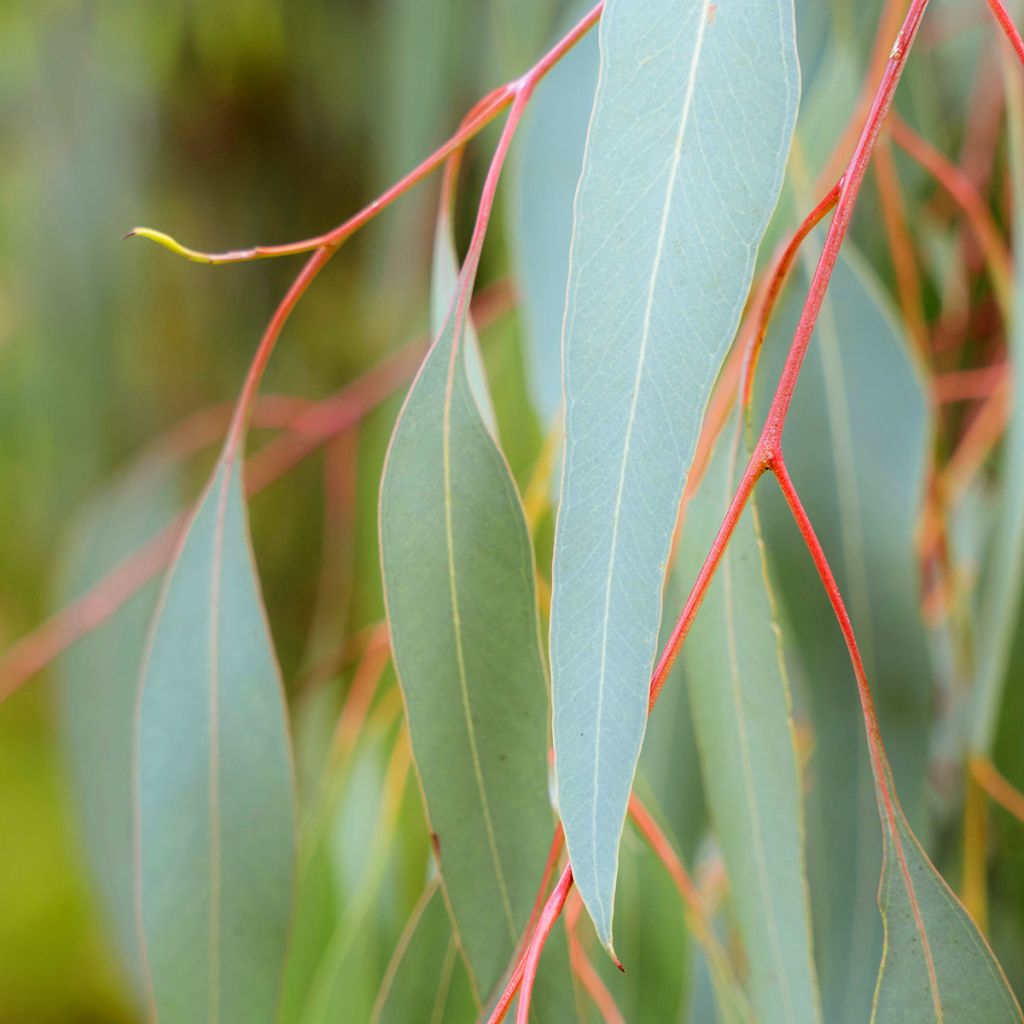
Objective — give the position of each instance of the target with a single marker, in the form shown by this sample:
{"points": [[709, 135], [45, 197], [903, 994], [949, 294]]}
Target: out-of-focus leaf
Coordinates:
{"points": [[214, 780], [553, 137], [458, 572], [936, 966], [687, 143], [427, 979], [743, 720], [855, 445], [98, 689], [317, 914], [1001, 600], [669, 777]]}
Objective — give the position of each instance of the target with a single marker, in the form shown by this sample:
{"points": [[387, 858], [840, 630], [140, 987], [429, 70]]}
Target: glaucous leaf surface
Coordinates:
{"points": [[687, 143], [97, 690], [743, 720], [215, 826], [855, 445], [459, 578]]}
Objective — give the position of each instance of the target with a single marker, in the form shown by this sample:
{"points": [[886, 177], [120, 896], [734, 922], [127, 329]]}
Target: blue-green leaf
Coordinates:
{"points": [[935, 964], [98, 682], [687, 144], [214, 780], [459, 578], [743, 720]]}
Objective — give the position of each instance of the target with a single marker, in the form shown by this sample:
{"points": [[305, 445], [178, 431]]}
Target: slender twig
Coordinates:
{"points": [[961, 189], [1002, 15], [887, 799], [998, 787], [775, 282], [548, 917], [966, 385], [901, 247]]}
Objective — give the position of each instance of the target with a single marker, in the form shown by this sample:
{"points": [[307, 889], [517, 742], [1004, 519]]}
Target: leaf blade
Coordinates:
{"points": [[691, 251], [215, 818], [458, 570], [743, 717]]}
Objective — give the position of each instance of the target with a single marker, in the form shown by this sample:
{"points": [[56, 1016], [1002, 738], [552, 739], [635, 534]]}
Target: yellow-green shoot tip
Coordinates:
{"points": [[169, 243]]}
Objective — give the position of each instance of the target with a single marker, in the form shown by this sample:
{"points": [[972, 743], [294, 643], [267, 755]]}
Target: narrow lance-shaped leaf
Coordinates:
{"points": [[459, 580], [687, 144], [98, 683], [855, 443], [215, 825], [743, 720]]}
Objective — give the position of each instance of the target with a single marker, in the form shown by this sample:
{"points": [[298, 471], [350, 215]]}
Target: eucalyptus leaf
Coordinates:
{"points": [[743, 720], [97, 689], [855, 444], [459, 580], [686, 149], [936, 965], [215, 826]]}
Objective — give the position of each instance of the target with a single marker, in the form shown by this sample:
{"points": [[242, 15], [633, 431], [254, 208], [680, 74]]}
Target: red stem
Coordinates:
{"points": [[963, 192], [1002, 16], [887, 799], [548, 917], [775, 282]]}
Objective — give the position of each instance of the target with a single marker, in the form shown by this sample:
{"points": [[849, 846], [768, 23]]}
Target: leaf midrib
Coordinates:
{"points": [[634, 403]]}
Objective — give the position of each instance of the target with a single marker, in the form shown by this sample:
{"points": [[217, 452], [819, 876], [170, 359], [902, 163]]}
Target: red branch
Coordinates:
{"points": [[548, 917], [1002, 15]]}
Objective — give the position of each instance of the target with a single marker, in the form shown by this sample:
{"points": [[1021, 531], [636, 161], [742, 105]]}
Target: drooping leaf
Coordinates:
{"points": [[459, 579], [687, 143], [214, 780], [97, 690], [935, 966], [743, 720], [427, 978], [855, 444], [546, 173]]}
